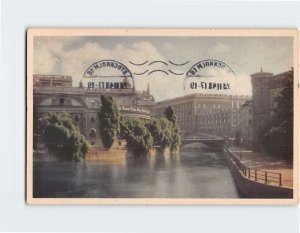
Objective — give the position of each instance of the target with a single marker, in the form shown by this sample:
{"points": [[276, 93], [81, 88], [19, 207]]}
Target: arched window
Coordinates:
{"points": [[92, 119], [76, 118], [92, 133]]}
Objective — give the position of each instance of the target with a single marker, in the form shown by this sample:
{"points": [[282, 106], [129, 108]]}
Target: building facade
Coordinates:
{"points": [[246, 124], [205, 113], [266, 87], [52, 93], [184, 108]]}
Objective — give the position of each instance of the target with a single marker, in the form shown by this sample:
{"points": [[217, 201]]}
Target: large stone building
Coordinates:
{"points": [[53, 93], [265, 88], [205, 113]]}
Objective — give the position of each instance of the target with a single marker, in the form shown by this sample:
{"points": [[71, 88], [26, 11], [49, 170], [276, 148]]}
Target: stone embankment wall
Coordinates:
{"points": [[253, 189]]}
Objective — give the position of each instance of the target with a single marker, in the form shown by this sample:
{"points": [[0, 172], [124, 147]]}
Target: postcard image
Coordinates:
{"points": [[162, 116]]}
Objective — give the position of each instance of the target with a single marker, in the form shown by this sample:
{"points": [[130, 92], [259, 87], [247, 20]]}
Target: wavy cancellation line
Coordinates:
{"points": [[158, 70], [181, 64], [153, 71], [138, 64], [165, 72], [153, 62], [141, 73], [172, 72], [158, 61]]}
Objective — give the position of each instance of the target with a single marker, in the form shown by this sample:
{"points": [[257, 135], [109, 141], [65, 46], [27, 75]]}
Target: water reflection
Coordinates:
{"points": [[195, 173]]}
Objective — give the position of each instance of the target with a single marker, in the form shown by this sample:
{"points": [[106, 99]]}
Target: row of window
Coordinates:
{"points": [[185, 123], [208, 122], [213, 111], [180, 114], [215, 129], [249, 122], [183, 106], [214, 106], [219, 116]]}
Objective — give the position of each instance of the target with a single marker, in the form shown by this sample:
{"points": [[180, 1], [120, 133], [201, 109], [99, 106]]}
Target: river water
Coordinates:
{"points": [[194, 173]]}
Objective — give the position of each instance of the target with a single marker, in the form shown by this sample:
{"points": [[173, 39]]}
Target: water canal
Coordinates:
{"points": [[194, 173]]}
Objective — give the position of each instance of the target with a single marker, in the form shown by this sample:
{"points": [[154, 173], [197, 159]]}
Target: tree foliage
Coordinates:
{"points": [[109, 120], [62, 137], [277, 139], [164, 133], [138, 138], [170, 114]]}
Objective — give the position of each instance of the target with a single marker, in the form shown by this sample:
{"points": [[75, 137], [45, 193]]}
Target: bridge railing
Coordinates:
{"points": [[255, 174]]}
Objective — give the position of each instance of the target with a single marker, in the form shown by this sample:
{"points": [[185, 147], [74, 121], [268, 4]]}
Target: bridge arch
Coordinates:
{"points": [[211, 142]]}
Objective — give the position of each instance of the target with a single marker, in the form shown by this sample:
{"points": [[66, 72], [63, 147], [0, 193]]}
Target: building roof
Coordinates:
{"points": [[55, 77], [267, 74], [199, 95]]}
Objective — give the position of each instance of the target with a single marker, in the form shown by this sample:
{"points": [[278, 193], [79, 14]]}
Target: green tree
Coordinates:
{"points": [[278, 138], [109, 120], [62, 137], [138, 138], [165, 133], [160, 131], [176, 140], [170, 114]]}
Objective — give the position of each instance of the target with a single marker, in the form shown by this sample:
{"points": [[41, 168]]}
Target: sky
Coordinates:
{"points": [[243, 55]]}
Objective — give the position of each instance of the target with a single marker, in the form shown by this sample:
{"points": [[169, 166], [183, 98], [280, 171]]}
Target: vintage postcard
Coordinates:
{"points": [[162, 116]]}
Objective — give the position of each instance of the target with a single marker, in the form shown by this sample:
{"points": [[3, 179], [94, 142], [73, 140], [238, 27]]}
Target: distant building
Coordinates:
{"points": [[52, 80], [265, 88], [55, 93], [246, 123], [205, 113], [184, 108]]}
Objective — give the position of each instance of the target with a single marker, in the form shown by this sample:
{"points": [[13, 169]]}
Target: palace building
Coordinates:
{"points": [[213, 114], [55, 93]]}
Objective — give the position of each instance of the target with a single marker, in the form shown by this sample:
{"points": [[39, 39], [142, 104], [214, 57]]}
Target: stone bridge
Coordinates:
{"points": [[209, 140]]}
